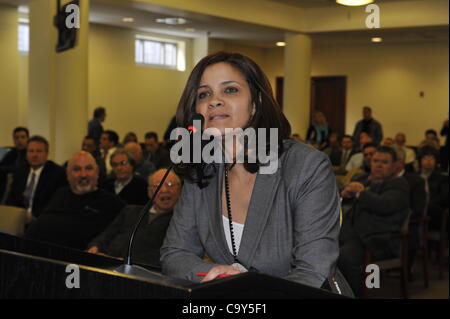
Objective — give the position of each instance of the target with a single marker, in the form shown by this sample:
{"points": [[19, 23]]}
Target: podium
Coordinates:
{"points": [[31, 269]]}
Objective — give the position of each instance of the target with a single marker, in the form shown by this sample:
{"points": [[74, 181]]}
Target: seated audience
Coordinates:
{"points": [[410, 159], [388, 141], [131, 188], [380, 207], [339, 158], [130, 137], [154, 153], [436, 185], [143, 168], [76, 214], [35, 182], [108, 145], [14, 158], [417, 203], [364, 169], [149, 237], [357, 158]]}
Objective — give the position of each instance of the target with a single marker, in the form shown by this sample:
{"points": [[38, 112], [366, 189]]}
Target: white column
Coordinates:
{"points": [[297, 81]]}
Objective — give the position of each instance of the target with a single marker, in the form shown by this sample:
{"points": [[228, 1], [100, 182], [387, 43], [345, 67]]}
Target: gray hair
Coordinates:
{"points": [[401, 154], [130, 157]]}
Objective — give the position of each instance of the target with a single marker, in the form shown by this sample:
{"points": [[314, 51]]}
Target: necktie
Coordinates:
{"points": [[29, 191], [344, 158]]}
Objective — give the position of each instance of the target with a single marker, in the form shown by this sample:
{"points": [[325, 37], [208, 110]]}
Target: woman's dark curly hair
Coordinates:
{"points": [[267, 112]]}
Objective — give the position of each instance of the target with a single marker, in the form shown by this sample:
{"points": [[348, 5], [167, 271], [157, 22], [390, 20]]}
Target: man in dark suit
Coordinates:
{"points": [[128, 186], [14, 158], [149, 237], [155, 153], [35, 182], [380, 207]]}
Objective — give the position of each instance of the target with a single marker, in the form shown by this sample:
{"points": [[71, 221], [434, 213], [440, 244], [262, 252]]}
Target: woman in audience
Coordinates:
{"points": [[436, 185], [319, 131], [284, 223], [130, 137]]}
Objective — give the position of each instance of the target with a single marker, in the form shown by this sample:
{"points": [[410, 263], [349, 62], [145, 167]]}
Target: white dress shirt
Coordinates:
{"points": [[37, 173]]}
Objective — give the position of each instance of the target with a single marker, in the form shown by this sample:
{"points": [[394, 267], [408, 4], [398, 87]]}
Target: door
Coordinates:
{"points": [[328, 96]]}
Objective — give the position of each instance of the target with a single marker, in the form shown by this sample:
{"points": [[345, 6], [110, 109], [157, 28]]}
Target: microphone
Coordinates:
{"points": [[128, 268], [194, 129]]}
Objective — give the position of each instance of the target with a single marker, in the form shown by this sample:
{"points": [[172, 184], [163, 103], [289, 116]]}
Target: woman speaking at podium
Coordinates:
{"points": [[282, 222]]}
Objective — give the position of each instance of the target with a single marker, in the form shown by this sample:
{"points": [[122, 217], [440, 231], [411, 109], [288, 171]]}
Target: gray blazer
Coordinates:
{"points": [[291, 229]]}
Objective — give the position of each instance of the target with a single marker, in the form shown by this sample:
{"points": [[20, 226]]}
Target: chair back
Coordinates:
{"points": [[12, 220]]}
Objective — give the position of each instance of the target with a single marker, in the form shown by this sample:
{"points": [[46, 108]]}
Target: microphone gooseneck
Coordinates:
{"points": [[192, 129]]}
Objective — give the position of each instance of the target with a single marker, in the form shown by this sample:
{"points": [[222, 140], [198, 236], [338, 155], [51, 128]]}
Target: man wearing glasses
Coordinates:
{"points": [[125, 183], [149, 237]]}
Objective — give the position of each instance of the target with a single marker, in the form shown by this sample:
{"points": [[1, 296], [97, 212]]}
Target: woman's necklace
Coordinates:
{"points": [[227, 196]]}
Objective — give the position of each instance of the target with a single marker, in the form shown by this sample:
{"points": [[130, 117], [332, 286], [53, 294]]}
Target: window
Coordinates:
{"points": [[24, 38], [151, 51]]}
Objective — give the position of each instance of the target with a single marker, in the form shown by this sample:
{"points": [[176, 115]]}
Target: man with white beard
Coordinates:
{"points": [[78, 213]]}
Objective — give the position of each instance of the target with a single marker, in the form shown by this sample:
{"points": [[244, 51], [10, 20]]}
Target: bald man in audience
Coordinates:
{"points": [[78, 213], [143, 167], [149, 238]]}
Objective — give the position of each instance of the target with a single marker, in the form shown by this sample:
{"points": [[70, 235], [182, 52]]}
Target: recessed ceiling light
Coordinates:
{"points": [[127, 19], [377, 39], [354, 2], [171, 21], [281, 44]]}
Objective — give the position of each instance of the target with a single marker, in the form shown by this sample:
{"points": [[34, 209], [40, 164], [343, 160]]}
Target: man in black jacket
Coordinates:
{"points": [[149, 237], [125, 183], [14, 158], [76, 214], [35, 182], [380, 207]]}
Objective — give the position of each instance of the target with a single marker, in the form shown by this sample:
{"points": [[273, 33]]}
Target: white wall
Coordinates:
{"points": [[9, 69], [137, 98], [389, 78]]}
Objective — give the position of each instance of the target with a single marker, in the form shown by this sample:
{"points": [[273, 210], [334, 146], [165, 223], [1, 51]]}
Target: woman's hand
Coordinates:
{"points": [[93, 250], [220, 270]]}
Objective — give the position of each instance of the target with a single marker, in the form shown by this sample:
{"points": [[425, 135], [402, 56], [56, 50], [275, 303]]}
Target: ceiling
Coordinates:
{"points": [[111, 12], [309, 4]]}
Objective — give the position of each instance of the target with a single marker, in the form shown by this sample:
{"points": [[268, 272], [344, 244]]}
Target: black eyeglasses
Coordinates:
{"points": [[121, 163]]}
